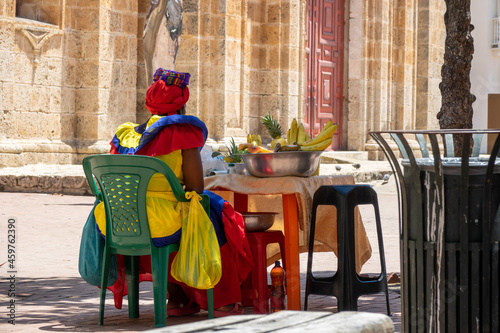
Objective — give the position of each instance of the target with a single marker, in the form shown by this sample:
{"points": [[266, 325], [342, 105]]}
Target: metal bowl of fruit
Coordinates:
{"points": [[282, 164], [258, 221]]}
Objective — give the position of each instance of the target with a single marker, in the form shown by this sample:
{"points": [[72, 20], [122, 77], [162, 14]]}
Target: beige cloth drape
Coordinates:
{"points": [[264, 195]]}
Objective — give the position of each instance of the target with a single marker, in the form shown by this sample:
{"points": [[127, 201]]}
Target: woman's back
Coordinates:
{"points": [[166, 143]]}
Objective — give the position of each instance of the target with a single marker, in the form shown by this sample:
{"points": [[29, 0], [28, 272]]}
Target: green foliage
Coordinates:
{"points": [[233, 150], [272, 126]]}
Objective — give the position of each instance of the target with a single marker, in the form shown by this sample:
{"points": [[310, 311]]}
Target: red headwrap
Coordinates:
{"points": [[165, 99]]}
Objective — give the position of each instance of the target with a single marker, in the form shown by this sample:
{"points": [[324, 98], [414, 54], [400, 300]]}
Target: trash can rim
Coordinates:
{"points": [[452, 165], [439, 131]]}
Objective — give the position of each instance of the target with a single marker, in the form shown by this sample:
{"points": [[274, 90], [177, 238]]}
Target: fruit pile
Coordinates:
{"points": [[321, 141], [297, 139]]}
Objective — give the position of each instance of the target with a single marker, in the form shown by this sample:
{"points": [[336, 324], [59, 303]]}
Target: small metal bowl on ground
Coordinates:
{"points": [[281, 164], [258, 221]]}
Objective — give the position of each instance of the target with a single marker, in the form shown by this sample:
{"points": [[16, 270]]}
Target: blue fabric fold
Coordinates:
{"points": [[216, 207]]}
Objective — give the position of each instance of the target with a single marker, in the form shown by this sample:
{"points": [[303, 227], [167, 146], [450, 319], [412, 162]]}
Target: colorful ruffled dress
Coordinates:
{"points": [[165, 138]]}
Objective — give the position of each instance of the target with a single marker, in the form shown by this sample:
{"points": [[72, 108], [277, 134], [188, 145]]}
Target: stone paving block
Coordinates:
{"points": [[7, 183]]}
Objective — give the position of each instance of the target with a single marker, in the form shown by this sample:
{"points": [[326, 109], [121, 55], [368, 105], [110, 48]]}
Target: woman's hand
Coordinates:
{"points": [[192, 170]]}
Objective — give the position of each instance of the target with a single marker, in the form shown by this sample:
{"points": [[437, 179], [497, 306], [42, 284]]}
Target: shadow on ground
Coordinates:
{"points": [[70, 304]]}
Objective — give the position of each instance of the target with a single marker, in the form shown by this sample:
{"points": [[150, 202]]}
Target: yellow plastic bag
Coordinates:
{"points": [[198, 262]]}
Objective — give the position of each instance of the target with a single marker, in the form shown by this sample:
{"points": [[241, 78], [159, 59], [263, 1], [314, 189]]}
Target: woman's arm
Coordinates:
{"points": [[192, 170]]}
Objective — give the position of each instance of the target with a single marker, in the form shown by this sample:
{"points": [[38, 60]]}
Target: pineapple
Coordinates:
{"points": [[232, 149], [274, 129]]}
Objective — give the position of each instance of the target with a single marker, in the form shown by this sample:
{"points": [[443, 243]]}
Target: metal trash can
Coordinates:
{"points": [[449, 229]]}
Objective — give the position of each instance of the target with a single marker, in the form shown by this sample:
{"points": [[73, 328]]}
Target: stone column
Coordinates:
{"points": [[430, 57], [395, 54], [245, 61], [142, 84], [370, 73], [292, 62], [106, 70], [404, 65]]}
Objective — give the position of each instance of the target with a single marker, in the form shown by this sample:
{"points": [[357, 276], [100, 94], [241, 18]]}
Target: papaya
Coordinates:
{"points": [[258, 149], [253, 149], [243, 146]]}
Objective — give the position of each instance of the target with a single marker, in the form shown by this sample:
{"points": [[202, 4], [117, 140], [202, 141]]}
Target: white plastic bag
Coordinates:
{"points": [[211, 163]]}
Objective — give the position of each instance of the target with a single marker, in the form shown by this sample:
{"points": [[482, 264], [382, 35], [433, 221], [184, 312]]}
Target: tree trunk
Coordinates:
{"points": [[456, 107]]}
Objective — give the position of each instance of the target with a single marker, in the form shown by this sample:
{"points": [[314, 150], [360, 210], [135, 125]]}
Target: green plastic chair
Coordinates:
{"points": [[123, 182]]}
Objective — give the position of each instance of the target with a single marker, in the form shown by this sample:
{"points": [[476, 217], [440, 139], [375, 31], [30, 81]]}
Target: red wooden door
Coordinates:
{"points": [[324, 66]]}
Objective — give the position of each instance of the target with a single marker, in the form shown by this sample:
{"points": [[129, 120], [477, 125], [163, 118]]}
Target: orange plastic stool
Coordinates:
{"points": [[254, 289]]}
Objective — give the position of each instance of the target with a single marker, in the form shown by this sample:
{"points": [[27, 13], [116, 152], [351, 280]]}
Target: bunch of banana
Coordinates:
{"points": [[296, 134], [321, 141], [251, 138]]}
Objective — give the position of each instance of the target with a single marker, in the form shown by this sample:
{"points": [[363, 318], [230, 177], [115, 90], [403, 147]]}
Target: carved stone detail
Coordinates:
{"points": [[37, 36]]}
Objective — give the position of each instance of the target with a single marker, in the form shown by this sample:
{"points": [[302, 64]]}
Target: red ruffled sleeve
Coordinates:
{"points": [[173, 137]]}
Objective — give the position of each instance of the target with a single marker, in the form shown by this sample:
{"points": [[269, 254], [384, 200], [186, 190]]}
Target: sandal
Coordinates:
{"points": [[188, 309], [237, 310]]}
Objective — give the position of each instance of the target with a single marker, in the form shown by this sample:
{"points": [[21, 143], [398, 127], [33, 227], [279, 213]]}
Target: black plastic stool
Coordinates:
{"points": [[346, 285]]}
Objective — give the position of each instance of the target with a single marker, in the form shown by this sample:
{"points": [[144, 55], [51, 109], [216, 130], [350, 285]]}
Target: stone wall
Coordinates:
{"points": [[245, 58], [71, 72], [395, 55], [67, 79]]}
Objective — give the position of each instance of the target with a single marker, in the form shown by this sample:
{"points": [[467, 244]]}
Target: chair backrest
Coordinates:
{"points": [[122, 182]]}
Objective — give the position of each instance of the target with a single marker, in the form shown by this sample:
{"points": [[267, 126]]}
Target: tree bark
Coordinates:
{"points": [[456, 108]]}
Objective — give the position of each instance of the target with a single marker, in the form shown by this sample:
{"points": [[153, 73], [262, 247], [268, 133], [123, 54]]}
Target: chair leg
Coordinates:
{"points": [[104, 283], [312, 229], [159, 265], [259, 280], [344, 286], [283, 260], [210, 303], [387, 299], [132, 275]]}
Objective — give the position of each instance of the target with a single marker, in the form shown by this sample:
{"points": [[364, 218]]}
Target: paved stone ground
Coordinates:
{"points": [[51, 296]]}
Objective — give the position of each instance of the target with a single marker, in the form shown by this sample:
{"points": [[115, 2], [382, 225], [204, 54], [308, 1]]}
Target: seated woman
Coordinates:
{"points": [[177, 139]]}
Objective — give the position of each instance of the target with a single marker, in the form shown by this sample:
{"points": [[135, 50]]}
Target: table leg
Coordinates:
{"points": [[291, 228], [240, 202]]}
